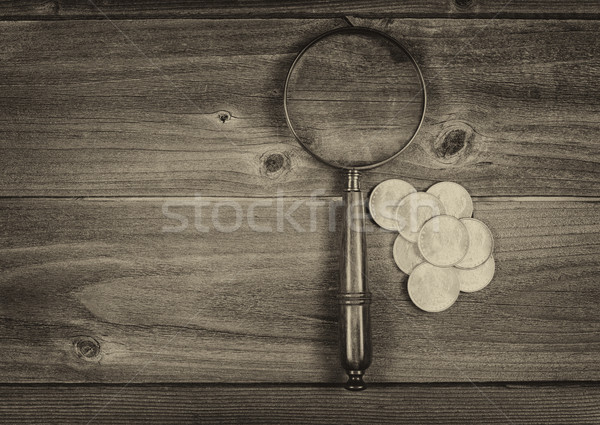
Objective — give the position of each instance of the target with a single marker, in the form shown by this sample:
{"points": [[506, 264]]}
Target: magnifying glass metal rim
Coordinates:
{"points": [[356, 30]]}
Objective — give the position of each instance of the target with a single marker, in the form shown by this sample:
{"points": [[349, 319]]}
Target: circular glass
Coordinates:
{"points": [[354, 98]]}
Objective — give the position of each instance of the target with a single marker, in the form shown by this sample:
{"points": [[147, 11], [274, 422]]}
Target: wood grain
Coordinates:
{"points": [[69, 9], [179, 107], [404, 404], [108, 290]]}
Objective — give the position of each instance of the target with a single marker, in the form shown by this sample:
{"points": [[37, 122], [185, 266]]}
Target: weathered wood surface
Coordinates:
{"points": [[55, 9], [403, 404], [179, 107], [106, 290]]}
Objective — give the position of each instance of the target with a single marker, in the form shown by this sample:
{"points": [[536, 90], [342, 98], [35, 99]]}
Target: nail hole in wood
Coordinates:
{"points": [[223, 116]]}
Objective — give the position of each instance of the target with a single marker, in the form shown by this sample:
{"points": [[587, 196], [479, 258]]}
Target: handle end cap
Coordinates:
{"points": [[355, 380]]}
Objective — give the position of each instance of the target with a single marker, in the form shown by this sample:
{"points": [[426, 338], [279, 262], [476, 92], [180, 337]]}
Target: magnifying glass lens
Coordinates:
{"points": [[354, 99]]}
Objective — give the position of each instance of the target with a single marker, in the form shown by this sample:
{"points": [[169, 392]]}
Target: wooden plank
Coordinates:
{"points": [[397, 404], [177, 107], [82, 9], [113, 290]]}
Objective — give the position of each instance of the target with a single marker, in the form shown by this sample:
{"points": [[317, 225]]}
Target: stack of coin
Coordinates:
{"points": [[440, 246]]}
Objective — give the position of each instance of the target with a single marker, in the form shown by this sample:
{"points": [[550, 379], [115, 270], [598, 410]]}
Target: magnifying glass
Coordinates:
{"points": [[354, 98]]}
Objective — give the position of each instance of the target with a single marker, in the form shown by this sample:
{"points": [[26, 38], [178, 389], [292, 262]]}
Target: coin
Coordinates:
{"points": [[413, 211], [443, 241], [472, 280], [385, 198], [406, 255], [455, 198], [481, 244], [432, 288]]}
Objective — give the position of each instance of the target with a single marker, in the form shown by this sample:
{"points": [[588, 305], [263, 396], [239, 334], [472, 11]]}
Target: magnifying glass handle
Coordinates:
{"points": [[354, 296]]}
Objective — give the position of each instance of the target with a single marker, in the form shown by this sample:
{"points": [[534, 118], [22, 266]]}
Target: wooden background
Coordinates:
{"points": [[113, 112]]}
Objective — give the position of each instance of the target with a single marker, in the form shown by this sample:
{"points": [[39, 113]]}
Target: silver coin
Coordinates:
{"points": [[443, 241], [406, 255], [481, 244], [413, 211], [432, 288], [455, 198], [472, 280], [385, 199]]}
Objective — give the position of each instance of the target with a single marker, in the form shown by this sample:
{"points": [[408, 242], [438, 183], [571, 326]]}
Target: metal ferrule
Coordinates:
{"points": [[354, 298], [352, 181]]}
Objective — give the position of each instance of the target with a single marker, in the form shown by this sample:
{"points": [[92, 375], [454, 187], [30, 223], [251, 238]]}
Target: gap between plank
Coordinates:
{"points": [[591, 199], [266, 385], [294, 16]]}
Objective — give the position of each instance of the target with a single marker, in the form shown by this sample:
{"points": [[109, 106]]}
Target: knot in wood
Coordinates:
{"points": [[87, 348], [52, 7], [274, 164], [464, 4], [454, 142]]}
